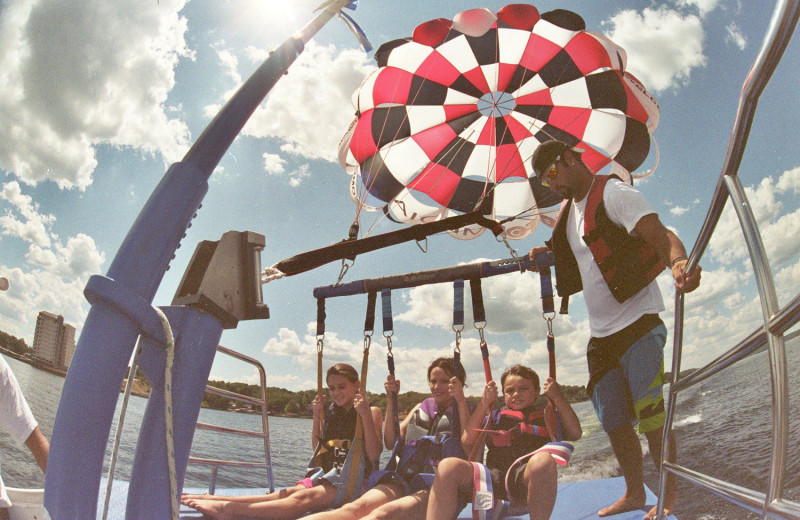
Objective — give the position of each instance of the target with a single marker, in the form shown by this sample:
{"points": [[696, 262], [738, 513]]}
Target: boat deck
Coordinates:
{"points": [[576, 500]]}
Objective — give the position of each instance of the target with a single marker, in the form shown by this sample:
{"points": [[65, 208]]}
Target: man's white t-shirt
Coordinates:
{"points": [[625, 206], [15, 415]]}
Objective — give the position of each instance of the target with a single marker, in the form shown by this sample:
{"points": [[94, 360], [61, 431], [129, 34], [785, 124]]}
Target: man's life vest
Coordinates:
{"points": [[628, 263]]}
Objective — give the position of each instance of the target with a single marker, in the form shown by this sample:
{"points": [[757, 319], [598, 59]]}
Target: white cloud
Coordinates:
{"points": [[303, 351], [299, 175], [678, 210], [273, 163], [58, 271], [735, 36], [310, 108], [766, 201], [71, 83], [703, 6], [30, 225], [663, 45]]}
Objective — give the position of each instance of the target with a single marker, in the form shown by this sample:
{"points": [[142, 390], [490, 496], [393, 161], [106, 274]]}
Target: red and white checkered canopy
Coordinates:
{"points": [[450, 119]]}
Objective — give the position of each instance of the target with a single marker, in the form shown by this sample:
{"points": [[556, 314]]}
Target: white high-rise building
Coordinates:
{"points": [[53, 341]]}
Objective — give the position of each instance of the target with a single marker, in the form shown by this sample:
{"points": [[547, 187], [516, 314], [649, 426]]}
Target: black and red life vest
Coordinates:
{"points": [[627, 262], [528, 433]]}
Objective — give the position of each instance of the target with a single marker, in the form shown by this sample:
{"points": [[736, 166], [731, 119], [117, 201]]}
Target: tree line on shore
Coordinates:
{"points": [[298, 404], [14, 344]]}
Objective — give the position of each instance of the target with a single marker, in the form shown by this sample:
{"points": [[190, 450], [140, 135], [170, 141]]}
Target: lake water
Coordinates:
{"points": [[723, 429]]}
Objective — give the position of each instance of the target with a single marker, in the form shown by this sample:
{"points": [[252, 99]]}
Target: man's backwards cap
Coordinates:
{"points": [[545, 155]]}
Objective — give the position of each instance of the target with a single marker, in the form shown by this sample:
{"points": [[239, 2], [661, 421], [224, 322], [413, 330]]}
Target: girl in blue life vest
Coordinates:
{"points": [[402, 494], [339, 420], [520, 460]]}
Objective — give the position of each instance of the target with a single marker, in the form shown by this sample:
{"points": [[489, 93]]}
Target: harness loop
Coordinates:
{"points": [[343, 270], [511, 250]]}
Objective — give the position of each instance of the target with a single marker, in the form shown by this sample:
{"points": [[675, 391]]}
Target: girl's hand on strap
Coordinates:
{"points": [[318, 404], [456, 388], [489, 395], [391, 385], [361, 405]]}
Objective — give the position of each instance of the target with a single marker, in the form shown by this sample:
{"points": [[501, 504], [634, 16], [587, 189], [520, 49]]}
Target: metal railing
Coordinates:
{"points": [[264, 434], [776, 320]]}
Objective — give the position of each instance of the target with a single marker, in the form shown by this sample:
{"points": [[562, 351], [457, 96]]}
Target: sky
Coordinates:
{"points": [[97, 99]]}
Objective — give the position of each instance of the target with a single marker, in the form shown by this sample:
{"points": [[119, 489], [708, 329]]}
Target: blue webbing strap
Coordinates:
{"points": [[548, 313], [456, 371], [546, 282], [458, 326], [386, 307], [458, 304]]}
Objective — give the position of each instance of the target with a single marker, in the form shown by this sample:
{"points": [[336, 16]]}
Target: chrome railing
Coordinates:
{"points": [[263, 434], [770, 504]]}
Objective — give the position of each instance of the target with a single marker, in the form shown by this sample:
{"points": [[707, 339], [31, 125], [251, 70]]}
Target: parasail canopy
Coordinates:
{"points": [[450, 119]]}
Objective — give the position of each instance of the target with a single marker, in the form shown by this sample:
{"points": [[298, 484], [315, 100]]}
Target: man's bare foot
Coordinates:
{"points": [[653, 514], [626, 503], [211, 508]]}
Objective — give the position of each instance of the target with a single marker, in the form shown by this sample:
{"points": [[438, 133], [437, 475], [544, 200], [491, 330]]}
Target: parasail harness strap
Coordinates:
{"points": [[348, 480]]}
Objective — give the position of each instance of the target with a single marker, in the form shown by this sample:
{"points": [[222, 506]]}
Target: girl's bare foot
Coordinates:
{"points": [[211, 508]]}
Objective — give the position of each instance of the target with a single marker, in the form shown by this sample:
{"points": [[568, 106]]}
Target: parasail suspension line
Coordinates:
{"points": [[355, 478]]}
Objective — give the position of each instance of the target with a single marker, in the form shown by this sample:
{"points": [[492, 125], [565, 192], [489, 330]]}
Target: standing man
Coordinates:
{"points": [[17, 420], [609, 242]]}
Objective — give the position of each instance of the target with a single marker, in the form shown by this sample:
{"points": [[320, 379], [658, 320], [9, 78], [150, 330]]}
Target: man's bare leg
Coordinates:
{"points": [[654, 439], [628, 451]]}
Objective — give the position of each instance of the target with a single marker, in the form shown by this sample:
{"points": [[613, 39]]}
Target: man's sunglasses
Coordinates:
{"points": [[550, 173]]}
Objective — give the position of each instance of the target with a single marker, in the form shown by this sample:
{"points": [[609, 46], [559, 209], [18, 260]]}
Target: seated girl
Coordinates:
{"points": [[403, 494], [521, 460], [335, 437]]}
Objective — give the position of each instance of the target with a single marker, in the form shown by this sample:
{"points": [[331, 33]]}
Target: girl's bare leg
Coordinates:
{"points": [[451, 475], [411, 507], [542, 479], [296, 504], [281, 493], [362, 506]]}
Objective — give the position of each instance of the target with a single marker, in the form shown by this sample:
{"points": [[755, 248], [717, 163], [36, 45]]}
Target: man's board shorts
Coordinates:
{"points": [[627, 386]]}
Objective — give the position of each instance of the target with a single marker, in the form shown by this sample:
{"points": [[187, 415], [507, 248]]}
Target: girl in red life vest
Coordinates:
{"points": [[521, 459]]}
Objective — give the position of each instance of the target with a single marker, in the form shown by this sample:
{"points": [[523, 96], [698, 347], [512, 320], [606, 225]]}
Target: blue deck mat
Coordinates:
{"points": [[576, 500]]}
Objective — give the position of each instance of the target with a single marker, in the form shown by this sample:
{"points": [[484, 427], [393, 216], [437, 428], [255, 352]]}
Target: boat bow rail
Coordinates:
{"points": [[263, 434], [776, 320]]}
